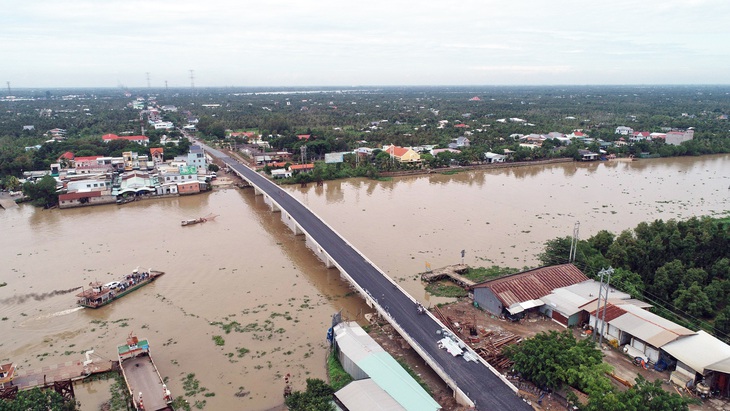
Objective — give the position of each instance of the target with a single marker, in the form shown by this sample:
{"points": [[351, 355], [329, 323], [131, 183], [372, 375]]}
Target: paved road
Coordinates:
{"points": [[480, 384]]}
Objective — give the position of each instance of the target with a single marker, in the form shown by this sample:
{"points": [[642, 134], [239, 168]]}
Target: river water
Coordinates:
{"points": [[247, 267]]}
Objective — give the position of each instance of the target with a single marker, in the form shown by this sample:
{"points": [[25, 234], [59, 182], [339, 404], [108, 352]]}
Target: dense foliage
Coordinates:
{"points": [[42, 192], [342, 120], [557, 360], [682, 266], [553, 360], [317, 397], [37, 400]]}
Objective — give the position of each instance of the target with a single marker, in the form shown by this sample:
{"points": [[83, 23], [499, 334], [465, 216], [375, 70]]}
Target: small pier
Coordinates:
{"points": [[450, 272]]}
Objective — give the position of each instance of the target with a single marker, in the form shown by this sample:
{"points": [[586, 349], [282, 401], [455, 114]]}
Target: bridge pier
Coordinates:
{"points": [[318, 251], [288, 221]]}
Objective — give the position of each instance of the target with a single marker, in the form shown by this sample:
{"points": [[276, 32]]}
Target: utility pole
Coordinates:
{"points": [[574, 242], [601, 293]]}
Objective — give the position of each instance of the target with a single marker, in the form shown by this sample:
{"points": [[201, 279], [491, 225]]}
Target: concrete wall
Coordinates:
{"points": [[107, 199]]}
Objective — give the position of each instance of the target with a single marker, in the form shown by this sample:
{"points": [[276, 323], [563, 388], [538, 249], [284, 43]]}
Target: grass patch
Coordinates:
{"points": [[479, 274], [242, 351], [338, 376], [219, 341], [445, 289]]}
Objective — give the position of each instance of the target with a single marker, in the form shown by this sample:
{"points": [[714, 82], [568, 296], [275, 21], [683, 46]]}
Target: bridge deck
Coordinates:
{"points": [[480, 384]]}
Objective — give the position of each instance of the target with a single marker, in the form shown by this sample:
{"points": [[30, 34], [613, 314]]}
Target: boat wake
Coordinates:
{"points": [[19, 299], [66, 312]]}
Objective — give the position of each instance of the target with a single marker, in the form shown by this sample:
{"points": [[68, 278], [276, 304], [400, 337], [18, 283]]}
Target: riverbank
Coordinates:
{"points": [[490, 166]]}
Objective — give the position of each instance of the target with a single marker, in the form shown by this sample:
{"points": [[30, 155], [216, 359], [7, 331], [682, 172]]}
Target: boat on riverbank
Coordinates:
{"points": [[144, 382], [99, 295]]}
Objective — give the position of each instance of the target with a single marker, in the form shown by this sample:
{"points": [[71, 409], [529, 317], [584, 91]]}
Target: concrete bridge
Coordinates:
{"points": [[475, 383]]}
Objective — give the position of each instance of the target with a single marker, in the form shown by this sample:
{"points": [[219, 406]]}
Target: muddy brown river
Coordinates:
{"points": [[247, 267]]}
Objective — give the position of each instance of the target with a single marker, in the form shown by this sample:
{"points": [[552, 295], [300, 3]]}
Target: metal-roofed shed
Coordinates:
{"points": [[698, 354], [362, 357], [366, 395], [501, 293]]}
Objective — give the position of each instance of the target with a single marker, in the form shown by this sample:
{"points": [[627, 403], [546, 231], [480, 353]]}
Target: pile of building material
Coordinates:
{"points": [[492, 345]]}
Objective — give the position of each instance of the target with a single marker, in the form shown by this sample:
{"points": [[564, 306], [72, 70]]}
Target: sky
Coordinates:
{"points": [[241, 43]]}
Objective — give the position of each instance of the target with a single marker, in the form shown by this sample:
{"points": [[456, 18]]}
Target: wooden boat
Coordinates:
{"points": [[144, 382], [99, 295], [209, 217]]}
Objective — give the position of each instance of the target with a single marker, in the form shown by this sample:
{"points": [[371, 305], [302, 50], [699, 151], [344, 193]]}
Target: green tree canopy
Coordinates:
{"points": [[37, 400], [42, 192]]}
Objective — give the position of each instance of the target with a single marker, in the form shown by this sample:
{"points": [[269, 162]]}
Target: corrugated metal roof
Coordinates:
{"points": [[382, 368], [649, 327], [366, 395], [533, 284], [701, 351], [612, 312]]}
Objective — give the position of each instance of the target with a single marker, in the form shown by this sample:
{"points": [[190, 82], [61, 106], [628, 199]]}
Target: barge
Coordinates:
{"points": [[145, 385], [99, 295]]}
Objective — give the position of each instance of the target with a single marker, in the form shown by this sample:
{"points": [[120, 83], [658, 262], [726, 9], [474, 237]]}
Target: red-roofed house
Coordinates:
{"points": [[475, 98], [404, 155], [304, 136], [525, 289], [461, 125], [67, 157], [143, 140], [302, 167]]}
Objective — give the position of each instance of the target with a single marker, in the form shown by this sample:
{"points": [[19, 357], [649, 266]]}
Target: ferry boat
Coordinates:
{"points": [[99, 295], [144, 382]]}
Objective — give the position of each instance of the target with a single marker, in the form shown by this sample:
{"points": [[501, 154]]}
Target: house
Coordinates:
{"points": [[640, 136], [494, 157], [587, 155], [170, 108], [437, 151], [157, 154], [281, 173], [163, 125], [28, 128], [676, 138], [577, 134], [461, 125], [700, 357], [516, 293], [191, 187], [459, 142], [475, 98], [84, 198], [565, 305], [641, 333], [305, 137], [67, 157], [404, 155], [142, 140], [624, 131], [364, 359], [302, 168], [7, 373]]}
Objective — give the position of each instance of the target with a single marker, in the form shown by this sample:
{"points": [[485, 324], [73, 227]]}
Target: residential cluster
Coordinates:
{"points": [[564, 294], [91, 180]]}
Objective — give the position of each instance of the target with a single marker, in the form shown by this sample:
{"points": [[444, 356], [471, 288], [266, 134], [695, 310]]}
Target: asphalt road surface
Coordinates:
{"points": [[479, 383]]}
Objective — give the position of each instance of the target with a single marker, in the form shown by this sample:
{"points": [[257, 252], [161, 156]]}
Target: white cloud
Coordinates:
{"points": [[321, 42]]}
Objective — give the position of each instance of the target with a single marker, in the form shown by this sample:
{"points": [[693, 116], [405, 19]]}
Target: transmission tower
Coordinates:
{"points": [[602, 291], [574, 242], [10, 93], [192, 79], [165, 85], [148, 79]]}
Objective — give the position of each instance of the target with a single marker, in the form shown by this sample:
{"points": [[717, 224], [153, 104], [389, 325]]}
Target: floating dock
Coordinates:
{"points": [[450, 272], [143, 380]]}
